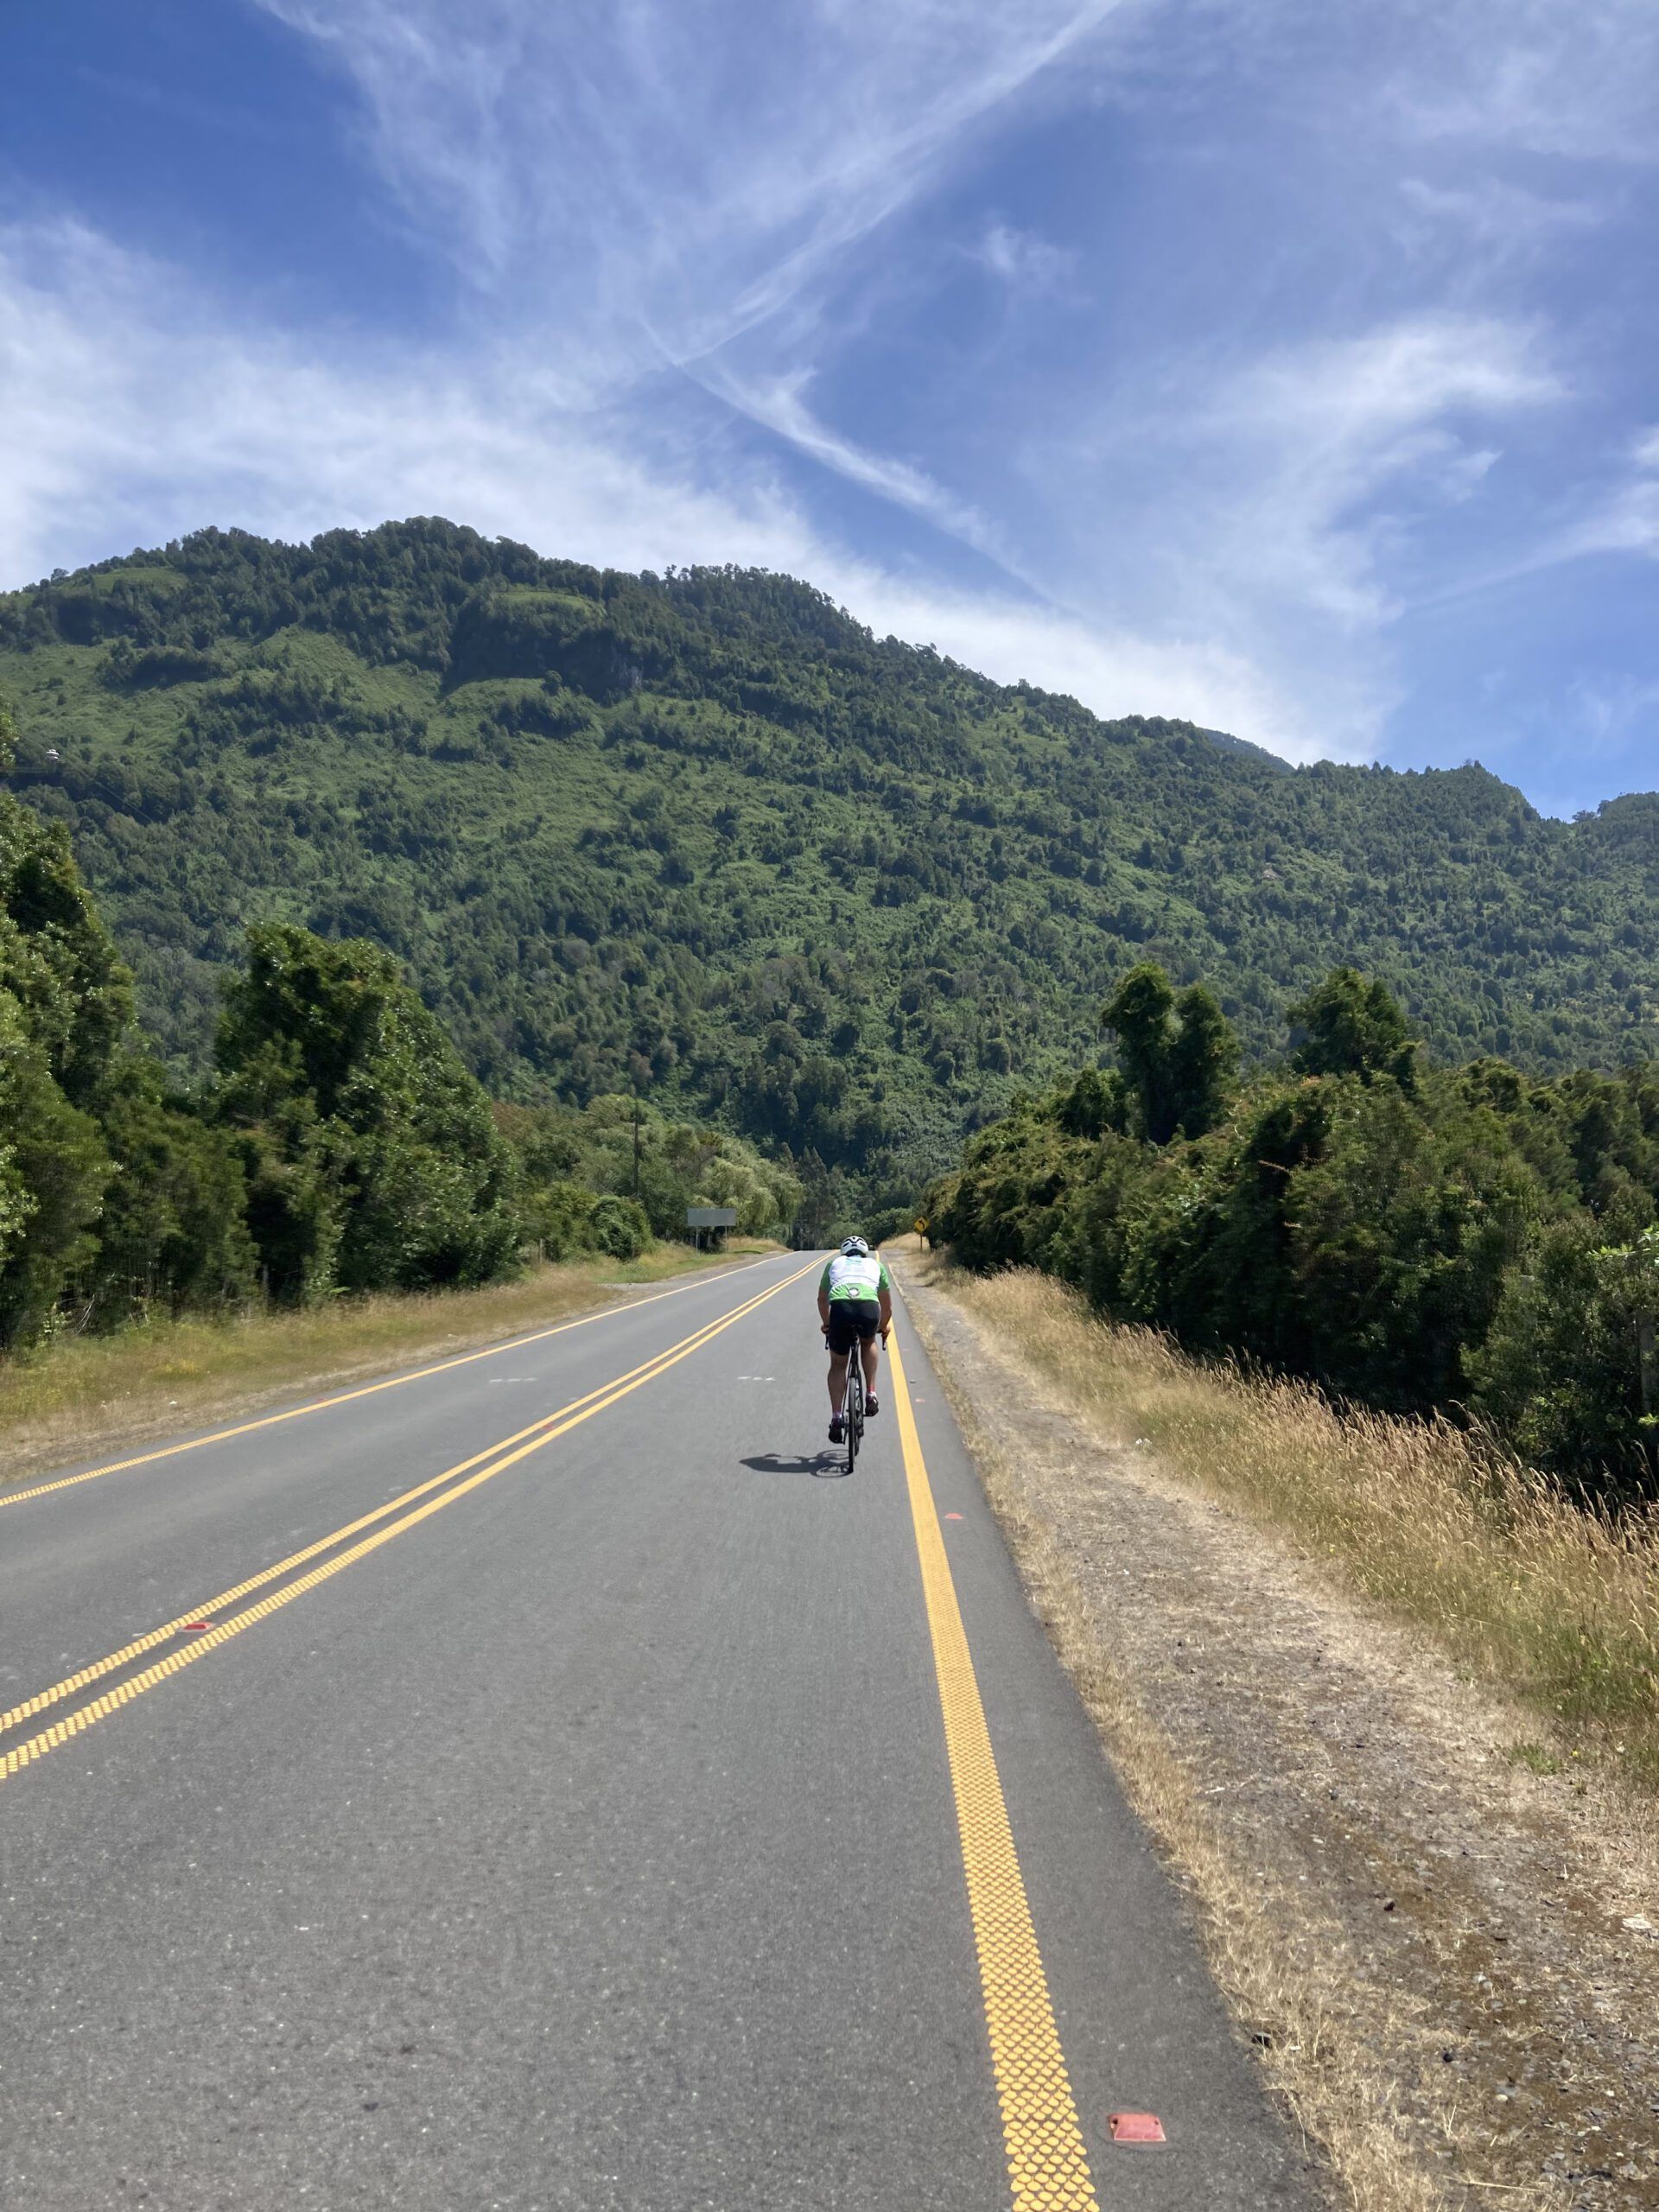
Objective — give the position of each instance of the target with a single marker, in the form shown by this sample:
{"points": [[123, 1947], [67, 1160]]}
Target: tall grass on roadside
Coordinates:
{"points": [[1554, 1605], [78, 1392]]}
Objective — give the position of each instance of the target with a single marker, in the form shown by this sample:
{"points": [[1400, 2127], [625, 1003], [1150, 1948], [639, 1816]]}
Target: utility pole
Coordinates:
{"points": [[636, 1142]]}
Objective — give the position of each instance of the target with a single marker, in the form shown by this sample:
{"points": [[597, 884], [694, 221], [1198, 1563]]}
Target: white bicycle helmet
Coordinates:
{"points": [[855, 1249]]}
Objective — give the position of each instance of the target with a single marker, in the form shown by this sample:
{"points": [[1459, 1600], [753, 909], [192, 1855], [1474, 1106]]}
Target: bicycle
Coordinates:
{"points": [[852, 1407], [852, 1401]]}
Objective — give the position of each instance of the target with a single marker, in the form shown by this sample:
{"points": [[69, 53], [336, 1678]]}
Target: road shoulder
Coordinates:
{"points": [[1427, 1945]]}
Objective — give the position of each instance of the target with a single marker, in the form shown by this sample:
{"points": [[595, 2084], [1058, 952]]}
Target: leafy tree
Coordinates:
{"points": [[1140, 1015], [1094, 1105], [558, 1218], [622, 1146], [173, 1228], [1560, 1374], [371, 1157], [1353, 1025], [52, 1171], [64, 1001], [1202, 1061], [1405, 1228], [1179, 1055]]}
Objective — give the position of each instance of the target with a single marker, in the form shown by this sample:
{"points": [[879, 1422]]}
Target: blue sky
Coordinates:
{"points": [[1288, 367]]}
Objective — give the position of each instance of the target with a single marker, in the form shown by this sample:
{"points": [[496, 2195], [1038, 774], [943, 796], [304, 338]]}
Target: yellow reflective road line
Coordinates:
{"points": [[210, 1606], [346, 1397], [1048, 2166], [540, 1432]]}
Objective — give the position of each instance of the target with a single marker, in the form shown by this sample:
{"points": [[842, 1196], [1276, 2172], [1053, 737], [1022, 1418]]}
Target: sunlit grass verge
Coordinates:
{"points": [[1553, 1605], [78, 1393]]}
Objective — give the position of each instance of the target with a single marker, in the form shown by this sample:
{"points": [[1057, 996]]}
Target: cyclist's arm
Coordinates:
{"points": [[824, 1299], [885, 1295]]}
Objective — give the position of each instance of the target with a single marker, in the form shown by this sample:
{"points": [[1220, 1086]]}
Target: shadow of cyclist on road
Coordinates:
{"points": [[822, 1464]]}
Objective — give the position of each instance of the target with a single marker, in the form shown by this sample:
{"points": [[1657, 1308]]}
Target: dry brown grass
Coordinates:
{"points": [[81, 1394], [1553, 1605]]}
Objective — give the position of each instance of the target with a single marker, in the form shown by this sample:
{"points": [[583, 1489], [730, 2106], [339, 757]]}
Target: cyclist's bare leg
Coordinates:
{"points": [[837, 1380], [872, 1360]]}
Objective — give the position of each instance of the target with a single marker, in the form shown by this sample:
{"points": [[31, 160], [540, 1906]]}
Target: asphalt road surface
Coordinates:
{"points": [[548, 1781]]}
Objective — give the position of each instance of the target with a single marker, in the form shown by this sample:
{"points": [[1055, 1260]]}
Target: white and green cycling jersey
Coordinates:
{"points": [[852, 1276]]}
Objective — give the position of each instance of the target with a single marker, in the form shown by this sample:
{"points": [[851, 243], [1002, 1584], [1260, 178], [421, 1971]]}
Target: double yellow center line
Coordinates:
{"points": [[346, 1397], [424, 1500]]}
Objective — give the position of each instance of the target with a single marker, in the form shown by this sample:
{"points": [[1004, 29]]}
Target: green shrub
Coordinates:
{"points": [[618, 1227], [558, 1217]]}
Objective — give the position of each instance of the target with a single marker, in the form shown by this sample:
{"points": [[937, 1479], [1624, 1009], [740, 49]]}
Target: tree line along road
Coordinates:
{"points": [[545, 1780]]}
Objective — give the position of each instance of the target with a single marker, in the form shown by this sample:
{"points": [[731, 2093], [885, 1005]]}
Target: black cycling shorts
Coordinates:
{"points": [[852, 1320]]}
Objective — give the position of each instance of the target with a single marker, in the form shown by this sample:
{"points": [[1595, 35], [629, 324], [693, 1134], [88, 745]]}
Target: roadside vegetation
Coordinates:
{"points": [[1549, 1603], [1467, 1245]]}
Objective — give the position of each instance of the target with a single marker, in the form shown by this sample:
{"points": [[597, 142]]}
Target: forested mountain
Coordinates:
{"points": [[705, 830]]}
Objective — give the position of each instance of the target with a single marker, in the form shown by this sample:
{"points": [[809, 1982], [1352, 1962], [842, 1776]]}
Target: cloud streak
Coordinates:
{"points": [[195, 421], [647, 166], [1330, 426]]}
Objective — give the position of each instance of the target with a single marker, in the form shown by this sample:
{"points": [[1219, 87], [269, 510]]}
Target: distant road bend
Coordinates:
{"points": [[546, 1781]]}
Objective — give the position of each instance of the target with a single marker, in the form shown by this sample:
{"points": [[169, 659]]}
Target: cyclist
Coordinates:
{"points": [[855, 1301]]}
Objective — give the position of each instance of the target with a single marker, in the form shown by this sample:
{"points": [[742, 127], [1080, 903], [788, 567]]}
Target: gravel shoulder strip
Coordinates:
{"points": [[1449, 1964]]}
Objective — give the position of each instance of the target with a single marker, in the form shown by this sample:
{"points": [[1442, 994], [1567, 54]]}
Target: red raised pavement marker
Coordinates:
{"points": [[1137, 2127]]}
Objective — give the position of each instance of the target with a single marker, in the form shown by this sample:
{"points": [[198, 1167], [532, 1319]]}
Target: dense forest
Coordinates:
{"points": [[340, 1143], [1465, 1240], [704, 834]]}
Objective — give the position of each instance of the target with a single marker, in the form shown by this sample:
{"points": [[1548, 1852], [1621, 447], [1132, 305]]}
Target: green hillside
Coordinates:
{"points": [[706, 830]]}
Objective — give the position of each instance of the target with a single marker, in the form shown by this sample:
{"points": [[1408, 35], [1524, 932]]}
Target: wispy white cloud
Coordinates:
{"points": [[1111, 667], [1626, 519], [1353, 397], [1025, 262], [666, 165], [1572, 78], [1610, 711], [132, 405], [1620, 516], [779, 404], [146, 415], [1495, 222], [1303, 474]]}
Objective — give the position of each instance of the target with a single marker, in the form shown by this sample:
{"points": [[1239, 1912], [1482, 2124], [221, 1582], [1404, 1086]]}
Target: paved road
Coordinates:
{"points": [[616, 1823]]}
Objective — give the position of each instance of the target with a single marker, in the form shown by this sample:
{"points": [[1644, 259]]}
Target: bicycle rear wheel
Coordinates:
{"points": [[855, 1408]]}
